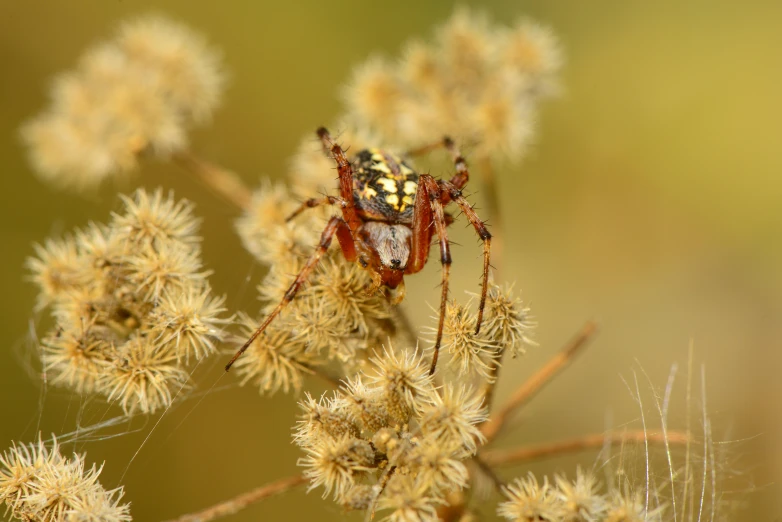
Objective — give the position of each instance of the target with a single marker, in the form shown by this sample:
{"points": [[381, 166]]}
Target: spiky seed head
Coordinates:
{"points": [[275, 360], [452, 417], [580, 499], [529, 501], [38, 484]]}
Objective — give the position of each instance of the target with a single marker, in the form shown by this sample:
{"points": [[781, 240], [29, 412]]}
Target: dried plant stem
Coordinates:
{"points": [[486, 468], [491, 382], [493, 213], [536, 383], [405, 325], [224, 182], [323, 375], [597, 440], [230, 507]]}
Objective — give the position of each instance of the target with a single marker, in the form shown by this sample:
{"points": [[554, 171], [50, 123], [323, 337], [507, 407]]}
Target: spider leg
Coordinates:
{"points": [[325, 241], [316, 202], [462, 176], [430, 192], [345, 169], [425, 149], [455, 195]]}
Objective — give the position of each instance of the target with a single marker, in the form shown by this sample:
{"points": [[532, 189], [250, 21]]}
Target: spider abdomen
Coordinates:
{"points": [[384, 187]]}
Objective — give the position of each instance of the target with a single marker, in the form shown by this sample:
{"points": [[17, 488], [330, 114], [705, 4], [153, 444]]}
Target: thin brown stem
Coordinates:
{"points": [[234, 505], [402, 320], [538, 381], [493, 212], [224, 182], [321, 374], [489, 472], [491, 382], [594, 441], [370, 515]]}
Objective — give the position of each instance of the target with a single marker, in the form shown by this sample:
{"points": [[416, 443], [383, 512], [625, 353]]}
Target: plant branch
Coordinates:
{"points": [[487, 470], [491, 195], [329, 378], [494, 376], [538, 381], [234, 505], [597, 440], [224, 182]]}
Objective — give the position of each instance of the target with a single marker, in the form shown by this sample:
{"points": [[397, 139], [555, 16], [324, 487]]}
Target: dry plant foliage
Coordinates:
{"points": [[133, 310], [135, 94], [476, 81], [39, 484], [131, 303]]}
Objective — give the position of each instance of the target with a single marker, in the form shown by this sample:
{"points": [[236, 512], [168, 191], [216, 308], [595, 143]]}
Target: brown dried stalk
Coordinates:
{"points": [[597, 440], [534, 384], [234, 505], [224, 182]]}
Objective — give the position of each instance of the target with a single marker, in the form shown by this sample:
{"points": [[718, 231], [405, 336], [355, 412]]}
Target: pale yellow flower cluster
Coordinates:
{"points": [[137, 93], [391, 439], [478, 82], [39, 484], [131, 304], [580, 500]]}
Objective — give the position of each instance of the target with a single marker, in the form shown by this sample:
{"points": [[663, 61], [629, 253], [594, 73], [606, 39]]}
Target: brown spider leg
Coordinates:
{"points": [[455, 195], [434, 195], [316, 202], [424, 149], [325, 241], [462, 175], [349, 214]]}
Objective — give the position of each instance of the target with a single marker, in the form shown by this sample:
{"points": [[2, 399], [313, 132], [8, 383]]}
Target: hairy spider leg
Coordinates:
{"points": [[349, 214], [332, 227], [480, 228], [429, 192], [316, 202], [462, 175], [453, 191]]}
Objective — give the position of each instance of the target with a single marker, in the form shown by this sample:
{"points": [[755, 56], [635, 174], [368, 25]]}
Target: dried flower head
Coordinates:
{"points": [[578, 501], [508, 320], [476, 82], [394, 430], [469, 352], [506, 328], [131, 303], [137, 93], [410, 500], [38, 484], [274, 361], [529, 501]]}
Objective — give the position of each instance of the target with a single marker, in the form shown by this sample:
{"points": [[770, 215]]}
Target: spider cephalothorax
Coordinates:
{"points": [[389, 214]]}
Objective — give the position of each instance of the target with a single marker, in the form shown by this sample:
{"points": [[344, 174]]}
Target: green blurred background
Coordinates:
{"points": [[651, 202]]}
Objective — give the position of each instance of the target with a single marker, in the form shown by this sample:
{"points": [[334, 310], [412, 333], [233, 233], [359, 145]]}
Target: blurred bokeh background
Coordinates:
{"points": [[650, 202]]}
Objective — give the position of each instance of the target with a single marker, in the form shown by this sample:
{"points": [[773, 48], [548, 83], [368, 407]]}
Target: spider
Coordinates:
{"points": [[389, 214]]}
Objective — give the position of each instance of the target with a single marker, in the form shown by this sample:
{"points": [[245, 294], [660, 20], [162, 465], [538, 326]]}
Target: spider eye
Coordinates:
{"points": [[363, 262]]}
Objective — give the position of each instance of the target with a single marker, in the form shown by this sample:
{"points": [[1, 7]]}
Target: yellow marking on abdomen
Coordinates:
{"points": [[393, 200], [388, 184], [410, 187], [367, 192], [382, 167]]}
